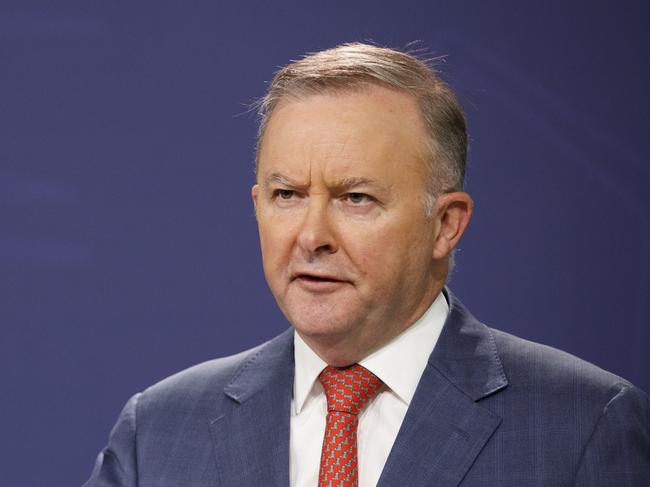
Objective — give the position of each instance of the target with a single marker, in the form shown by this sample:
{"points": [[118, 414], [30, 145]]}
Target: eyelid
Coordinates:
{"points": [[357, 193], [277, 191]]}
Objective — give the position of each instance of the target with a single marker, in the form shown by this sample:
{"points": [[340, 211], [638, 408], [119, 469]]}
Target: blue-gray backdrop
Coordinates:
{"points": [[128, 246]]}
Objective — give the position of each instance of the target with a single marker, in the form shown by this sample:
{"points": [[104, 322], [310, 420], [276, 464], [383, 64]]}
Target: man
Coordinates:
{"points": [[385, 379]]}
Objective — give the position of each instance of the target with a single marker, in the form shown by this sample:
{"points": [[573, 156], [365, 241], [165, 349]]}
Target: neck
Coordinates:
{"points": [[344, 350]]}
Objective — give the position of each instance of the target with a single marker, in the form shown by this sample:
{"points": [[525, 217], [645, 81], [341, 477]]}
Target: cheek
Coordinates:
{"points": [[278, 240], [274, 244], [387, 254], [373, 256]]}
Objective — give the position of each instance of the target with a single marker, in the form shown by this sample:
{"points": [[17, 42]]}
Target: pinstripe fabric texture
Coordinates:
{"points": [[347, 390]]}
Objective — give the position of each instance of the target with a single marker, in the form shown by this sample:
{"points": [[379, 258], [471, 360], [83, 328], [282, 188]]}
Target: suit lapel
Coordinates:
{"points": [[251, 436], [445, 427]]}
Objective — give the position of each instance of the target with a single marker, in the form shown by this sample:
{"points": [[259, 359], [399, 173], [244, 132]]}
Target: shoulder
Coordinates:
{"points": [[597, 422], [563, 383], [159, 427], [575, 422], [527, 361], [205, 382]]}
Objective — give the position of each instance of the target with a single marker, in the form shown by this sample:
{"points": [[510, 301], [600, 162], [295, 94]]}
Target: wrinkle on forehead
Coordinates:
{"points": [[337, 185], [329, 137]]}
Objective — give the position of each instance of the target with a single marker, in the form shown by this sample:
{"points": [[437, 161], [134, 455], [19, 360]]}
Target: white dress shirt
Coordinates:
{"points": [[399, 364]]}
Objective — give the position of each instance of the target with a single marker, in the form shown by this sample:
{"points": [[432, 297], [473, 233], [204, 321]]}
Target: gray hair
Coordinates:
{"points": [[350, 67]]}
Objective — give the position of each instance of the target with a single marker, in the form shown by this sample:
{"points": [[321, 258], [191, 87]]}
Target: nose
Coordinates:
{"points": [[316, 234]]}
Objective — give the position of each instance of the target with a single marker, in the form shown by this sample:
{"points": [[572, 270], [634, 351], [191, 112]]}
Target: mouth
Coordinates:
{"points": [[318, 283], [315, 278]]}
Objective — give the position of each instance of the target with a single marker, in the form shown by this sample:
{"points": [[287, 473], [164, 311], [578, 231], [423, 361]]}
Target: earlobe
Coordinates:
{"points": [[453, 211]]}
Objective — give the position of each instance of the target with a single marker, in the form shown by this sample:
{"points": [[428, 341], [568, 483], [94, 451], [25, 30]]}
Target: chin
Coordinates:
{"points": [[321, 328], [325, 329], [320, 313]]}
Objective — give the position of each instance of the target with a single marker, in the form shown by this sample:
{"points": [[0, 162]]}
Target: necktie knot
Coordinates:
{"points": [[348, 389]]}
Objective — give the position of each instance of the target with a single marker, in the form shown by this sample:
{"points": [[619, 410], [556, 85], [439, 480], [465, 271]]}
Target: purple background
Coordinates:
{"points": [[128, 246]]}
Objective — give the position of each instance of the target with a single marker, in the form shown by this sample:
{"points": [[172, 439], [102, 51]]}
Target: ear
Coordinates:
{"points": [[453, 212], [254, 191]]}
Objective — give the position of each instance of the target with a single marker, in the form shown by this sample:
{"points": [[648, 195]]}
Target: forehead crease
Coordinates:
{"points": [[337, 183]]}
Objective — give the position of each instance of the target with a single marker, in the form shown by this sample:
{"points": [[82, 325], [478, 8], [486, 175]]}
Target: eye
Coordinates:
{"points": [[285, 194], [358, 198]]}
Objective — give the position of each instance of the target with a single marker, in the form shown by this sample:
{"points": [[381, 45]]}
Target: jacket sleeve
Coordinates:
{"points": [[618, 451], [116, 465]]}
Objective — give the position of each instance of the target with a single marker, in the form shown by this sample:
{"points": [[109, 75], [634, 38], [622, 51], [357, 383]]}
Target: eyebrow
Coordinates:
{"points": [[346, 184], [341, 185], [278, 178]]}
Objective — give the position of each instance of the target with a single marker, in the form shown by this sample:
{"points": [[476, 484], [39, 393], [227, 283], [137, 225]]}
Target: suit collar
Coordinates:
{"points": [[251, 433], [446, 428], [466, 353], [266, 367]]}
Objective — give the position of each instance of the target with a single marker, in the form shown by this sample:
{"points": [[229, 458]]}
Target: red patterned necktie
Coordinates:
{"points": [[347, 390]]}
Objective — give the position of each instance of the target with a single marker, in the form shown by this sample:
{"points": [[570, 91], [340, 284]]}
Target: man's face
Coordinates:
{"points": [[346, 242]]}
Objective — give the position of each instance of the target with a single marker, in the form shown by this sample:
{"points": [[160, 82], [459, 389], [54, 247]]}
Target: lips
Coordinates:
{"points": [[315, 277], [319, 282]]}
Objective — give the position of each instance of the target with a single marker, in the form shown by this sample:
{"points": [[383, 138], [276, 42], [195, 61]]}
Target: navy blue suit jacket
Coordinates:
{"points": [[490, 410]]}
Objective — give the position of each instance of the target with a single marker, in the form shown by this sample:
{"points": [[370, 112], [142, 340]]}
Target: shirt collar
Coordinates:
{"points": [[410, 349], [308, 368]]}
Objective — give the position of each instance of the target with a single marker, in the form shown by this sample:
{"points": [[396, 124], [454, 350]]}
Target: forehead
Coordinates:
{"points": [[361, 132]]}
